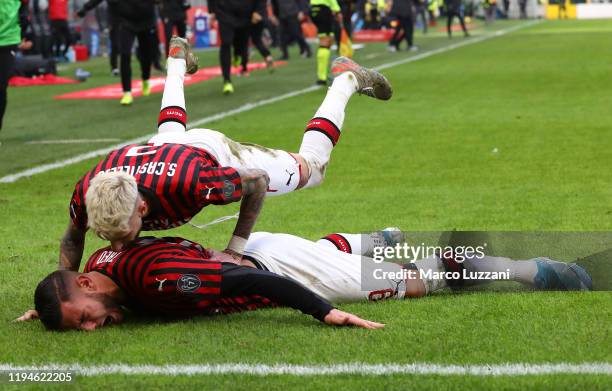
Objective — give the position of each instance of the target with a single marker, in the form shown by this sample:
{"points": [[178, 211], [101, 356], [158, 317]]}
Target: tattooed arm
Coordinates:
{"points": [[254, 186], [71, 248]]}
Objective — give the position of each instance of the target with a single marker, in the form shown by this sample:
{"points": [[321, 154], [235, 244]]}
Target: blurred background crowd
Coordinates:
{"points": [[56, 31], [56, 24]]}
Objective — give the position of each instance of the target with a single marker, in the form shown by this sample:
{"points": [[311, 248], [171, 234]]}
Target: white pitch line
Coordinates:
{"points": [[103, 151], [458, 45], [74, 141], [249, 106], [508, 369]]}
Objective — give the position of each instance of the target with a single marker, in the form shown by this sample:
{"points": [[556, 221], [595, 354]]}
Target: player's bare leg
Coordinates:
{"points": [[173, 114]]}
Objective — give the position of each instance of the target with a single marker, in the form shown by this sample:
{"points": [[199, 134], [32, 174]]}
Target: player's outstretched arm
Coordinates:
{"points": [[71, 248], [240, 280], [254, 186]]}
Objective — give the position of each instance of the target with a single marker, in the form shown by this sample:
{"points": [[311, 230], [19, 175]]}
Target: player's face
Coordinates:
{"points": [[90, 311]]}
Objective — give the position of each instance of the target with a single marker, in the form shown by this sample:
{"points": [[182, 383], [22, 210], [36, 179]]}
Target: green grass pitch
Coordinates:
{"points": [[511, 133]]}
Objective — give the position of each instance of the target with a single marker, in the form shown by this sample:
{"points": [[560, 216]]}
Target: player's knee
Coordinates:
{"points": [[315, 180], [415, 289], [316, 173]]}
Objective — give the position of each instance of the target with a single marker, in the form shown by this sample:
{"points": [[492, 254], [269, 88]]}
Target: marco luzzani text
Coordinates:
{"points": [[407, 253]]}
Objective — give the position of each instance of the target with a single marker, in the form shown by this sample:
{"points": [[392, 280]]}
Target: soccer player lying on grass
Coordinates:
{"points": [[177, 278], [163, 184]]}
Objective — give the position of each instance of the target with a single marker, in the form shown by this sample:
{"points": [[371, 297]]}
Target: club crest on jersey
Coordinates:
{"points": [[228, 189], [188, 283]]}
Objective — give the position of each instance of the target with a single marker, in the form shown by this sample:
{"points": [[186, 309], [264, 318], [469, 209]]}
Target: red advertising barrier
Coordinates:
{"points": [[114, 91], [43, 80], [372, 35]]}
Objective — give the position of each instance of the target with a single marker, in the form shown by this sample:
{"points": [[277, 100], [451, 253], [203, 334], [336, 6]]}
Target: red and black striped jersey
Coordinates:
{"points": [[170, 276], [176, 180]]}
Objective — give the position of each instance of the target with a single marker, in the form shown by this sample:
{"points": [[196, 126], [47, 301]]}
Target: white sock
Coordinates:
{"points": [[323, 131], [520, 271], [348, 243], [173, 117], [435, 265], [336, 99]]}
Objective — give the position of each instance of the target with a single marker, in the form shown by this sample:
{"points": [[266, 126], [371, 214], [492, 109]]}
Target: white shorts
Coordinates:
{"points": [[282, 168], [332, 274]]}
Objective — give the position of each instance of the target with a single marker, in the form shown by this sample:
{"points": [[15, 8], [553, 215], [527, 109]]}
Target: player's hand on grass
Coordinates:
{"points": [[341, 318], [29, 315]]}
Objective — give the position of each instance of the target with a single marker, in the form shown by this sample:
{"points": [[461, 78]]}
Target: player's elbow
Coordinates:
{"points": [[69, 241], [260, 181], [73, 236], [254, 181], [263, 181]]}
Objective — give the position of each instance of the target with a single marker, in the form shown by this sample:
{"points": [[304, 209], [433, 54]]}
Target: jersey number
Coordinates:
{"points": [[381, 294], [141, 150]]}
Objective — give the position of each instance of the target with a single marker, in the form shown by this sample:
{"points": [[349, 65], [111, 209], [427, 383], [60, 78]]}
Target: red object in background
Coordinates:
{"points": [[372, 35], [161, 34], [58, 9], [114, 91], [309, 30], [80, 52], [44, 80]]}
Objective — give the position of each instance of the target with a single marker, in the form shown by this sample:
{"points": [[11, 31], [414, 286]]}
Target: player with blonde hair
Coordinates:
{"points": [[164, 183], [111, 200]]}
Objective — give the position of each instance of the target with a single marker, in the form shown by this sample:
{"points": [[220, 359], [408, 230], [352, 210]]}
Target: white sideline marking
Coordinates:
{"points": [[509, 369], [250, 106], [75, 141], [103, 151]]}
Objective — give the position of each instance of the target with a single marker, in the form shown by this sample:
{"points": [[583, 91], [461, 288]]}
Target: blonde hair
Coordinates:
{"points": [[111, 200]]}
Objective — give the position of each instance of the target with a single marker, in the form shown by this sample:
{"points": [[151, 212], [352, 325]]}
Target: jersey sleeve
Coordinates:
{"points": [[219, 186], [78, 211], [183, 277], [241, 280]]}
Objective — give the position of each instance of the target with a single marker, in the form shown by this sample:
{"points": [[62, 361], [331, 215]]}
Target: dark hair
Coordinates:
{"points": [[49, 294]]}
